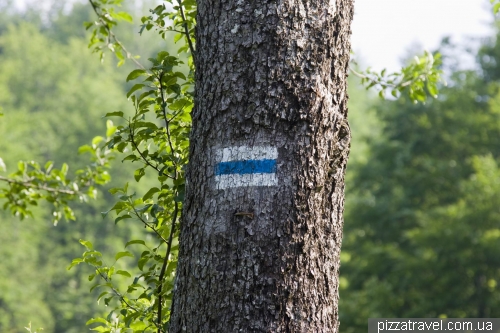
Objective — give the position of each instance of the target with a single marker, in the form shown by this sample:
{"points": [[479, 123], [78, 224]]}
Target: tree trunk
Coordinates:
{"points": [[262, 227]]}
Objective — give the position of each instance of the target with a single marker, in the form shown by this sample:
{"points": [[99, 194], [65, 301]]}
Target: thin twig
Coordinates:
{"points": [[112, 35], [186, 31], [385, 83], [163, 102], [167, 122], [117, 293], [148, 225], [146, 161], [165, 262], [174, 30], [362, 76], [178, 112], [37, 187]]}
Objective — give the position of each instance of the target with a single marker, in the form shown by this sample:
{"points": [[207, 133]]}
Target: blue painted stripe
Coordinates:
{"points": [[245, 167]]}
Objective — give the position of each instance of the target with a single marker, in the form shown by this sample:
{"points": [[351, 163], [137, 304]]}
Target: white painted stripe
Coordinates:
{"points": [[245, 153], [246, 180]]}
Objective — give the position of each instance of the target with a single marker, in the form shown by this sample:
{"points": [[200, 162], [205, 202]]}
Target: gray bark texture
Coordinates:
{"points": [[264, 256]]}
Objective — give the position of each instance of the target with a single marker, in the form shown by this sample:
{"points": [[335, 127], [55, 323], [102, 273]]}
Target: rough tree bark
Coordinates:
{"points": [[260, 238]]}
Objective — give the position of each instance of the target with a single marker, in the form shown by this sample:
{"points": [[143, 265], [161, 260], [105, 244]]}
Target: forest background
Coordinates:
{"points": [[422, 232]]}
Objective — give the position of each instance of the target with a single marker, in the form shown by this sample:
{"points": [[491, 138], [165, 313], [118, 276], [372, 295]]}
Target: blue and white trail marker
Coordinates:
{"points": [[246, 166]]}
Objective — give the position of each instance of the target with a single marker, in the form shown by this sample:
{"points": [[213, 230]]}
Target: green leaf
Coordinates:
{"points": [[96, 320], [95, 286], [138, 174], [138, 326], [110, 129], [47, 166], [145, 94], [136, 241], [135, 88], [104, 293], [432, 89], [119, 55], [92, 253], [87, 25], [126, 197], [146, 124], [96, 140], [496, 8], [114, 114], [130, 157], [142, 262], [84, 149], [123, 254], [87, 244], [178, 37], [135, 74], [180, 75], [101, 329], [121, 146], [69, 215], [123, 16], [124, 273], [123, 217], [169, 80], [175, 88], [21, 166], [75, 262], [104, 214], [179, 104], [64, 169], [150, 193], [155, 209]]}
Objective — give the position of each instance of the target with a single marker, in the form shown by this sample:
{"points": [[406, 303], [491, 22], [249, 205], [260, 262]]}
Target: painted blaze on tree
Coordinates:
{"points": [[262, 227]]}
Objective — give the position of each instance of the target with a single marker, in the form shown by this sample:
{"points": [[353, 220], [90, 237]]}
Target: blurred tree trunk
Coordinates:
{"points": [[262, 228]]}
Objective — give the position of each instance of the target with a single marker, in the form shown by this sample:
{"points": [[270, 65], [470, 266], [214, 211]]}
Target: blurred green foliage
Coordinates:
{"points": [[53, 94], [422, 233]]}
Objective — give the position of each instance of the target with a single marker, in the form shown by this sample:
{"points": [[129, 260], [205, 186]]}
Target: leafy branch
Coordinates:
{"points": [[102, 33], [181, 20], [419, 79], [32, 183], [186, 28], [130, 307]]}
